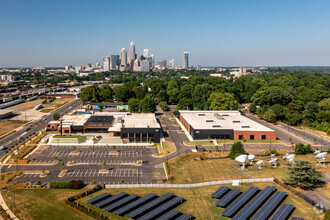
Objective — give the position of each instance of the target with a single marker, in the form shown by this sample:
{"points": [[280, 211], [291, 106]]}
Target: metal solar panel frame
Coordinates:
{"points": [[98, 198], [271, 205], [184, 216], [121, 203], [112, 199], [283, 212], [297, 218], [170, 215], [220, 192], [162, 208], [234, 207], [255, 203], [134, 205], [228, 198], [147, 207]]}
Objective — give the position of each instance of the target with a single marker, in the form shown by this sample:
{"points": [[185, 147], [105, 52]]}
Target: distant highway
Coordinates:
{"points": [[12, 140]]}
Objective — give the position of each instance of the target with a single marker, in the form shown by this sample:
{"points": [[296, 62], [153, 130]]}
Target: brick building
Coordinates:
{"points": [[223, 125]]}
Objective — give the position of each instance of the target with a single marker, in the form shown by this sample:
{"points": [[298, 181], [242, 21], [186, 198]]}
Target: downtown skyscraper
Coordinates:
{"points": [[186, 60], [123, 57], [132, 54]]}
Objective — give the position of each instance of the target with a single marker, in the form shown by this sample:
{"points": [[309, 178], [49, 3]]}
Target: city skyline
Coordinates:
{"points": [[240, 33]]}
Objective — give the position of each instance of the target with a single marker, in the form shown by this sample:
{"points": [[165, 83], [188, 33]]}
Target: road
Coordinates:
{"points": [[12, 140], [281, 133], [306, 135]]}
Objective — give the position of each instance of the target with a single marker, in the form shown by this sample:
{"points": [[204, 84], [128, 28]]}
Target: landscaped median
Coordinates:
{"points": [[168, 148]]}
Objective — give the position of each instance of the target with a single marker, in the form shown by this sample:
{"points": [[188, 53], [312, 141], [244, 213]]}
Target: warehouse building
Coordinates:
{"points": [[202, 125], [132, 128]]}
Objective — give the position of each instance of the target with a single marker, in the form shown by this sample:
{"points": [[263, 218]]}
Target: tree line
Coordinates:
{"points": [[292, 97]]}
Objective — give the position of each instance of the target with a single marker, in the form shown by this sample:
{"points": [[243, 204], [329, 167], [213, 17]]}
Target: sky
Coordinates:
{"points": [[214, 32]]}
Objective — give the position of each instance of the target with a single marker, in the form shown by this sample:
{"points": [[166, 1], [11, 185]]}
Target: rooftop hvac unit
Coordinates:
{"points": [[218, 116]]}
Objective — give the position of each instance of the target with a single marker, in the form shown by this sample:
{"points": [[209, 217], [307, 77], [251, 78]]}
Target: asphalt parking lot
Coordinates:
{"points": [[120, 161]]}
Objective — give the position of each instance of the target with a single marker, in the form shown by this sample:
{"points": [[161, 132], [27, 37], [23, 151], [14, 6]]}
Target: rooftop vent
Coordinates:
{"points": [[201, 114], [209, 120], [218, 116], [245, 126], [216, 126], [237, 121], [224, 114]]}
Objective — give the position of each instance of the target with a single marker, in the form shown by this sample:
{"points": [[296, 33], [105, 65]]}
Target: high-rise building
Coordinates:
{"points": [[146, 53], [123, 57], [132, 54], [136, 66], [171, 64], [152, 61], [186, 60], [145, 65], [114, 62], [106, 64], [199, 67]]}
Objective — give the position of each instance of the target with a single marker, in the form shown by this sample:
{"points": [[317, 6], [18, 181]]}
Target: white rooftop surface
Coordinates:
{"points": [[75, 119], [223, 118], [141, 120]]}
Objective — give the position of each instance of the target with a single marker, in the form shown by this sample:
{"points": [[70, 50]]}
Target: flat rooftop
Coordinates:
{"points": [[141, 120], [221, 120]]}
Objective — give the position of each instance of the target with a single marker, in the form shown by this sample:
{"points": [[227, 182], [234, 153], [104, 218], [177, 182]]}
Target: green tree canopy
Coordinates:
{"points": [[223, 101], [303, 174], [236, 150]]}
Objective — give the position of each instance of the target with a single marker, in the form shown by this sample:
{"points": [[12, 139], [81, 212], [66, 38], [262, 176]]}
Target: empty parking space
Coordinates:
{"points": [[90, 153], [111, 173]]}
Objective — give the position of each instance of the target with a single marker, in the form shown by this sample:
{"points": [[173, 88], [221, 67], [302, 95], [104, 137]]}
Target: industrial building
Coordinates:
{"points": [[131, 127], [202, 125]]}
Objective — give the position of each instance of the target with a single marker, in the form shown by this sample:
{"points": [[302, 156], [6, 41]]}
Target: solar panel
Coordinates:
{"points": [[283, 212], [220, 192], [296, 218], [234, 207], [170, 215], [228, 198], [121, 203], [161, 209], [112, 199], [184, 216], [147, 207], [99, 198], [141, 201], [266, 211], [252, 206]]}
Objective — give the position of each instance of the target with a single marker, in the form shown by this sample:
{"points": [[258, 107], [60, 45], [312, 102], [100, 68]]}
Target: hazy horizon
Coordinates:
{"points": [[215, 33]]}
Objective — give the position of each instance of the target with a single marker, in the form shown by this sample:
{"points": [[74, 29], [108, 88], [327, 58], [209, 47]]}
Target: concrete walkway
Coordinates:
{"points": [[5, 207]]}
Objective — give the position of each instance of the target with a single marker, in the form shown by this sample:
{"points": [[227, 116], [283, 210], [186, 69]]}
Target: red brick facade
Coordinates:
{"points": [[185, 123], [258, 135]]}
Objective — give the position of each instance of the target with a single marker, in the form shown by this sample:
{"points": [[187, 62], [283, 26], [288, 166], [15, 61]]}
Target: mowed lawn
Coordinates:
{"points": [[190, 169], [201, 205], [42, 204]]}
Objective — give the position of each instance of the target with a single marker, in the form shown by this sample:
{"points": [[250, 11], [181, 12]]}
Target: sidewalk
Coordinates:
{"points": [[5, 207]]}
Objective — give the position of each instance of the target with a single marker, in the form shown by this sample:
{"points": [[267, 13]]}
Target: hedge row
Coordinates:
{"points": [[72, 184], [71, 202]]}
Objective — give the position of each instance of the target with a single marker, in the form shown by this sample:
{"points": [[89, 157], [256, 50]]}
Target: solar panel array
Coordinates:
{"points": [[253, 204], [146, 208]]}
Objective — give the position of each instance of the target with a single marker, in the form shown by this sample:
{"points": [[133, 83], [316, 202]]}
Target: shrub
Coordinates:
{"points": [[76, 184], [59, 184], [302, 149], [236, 150], [327, 215], [272, 151]]}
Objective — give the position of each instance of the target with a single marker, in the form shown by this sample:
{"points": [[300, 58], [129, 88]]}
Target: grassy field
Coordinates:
{"points": [[39, 204], [68, 136], [201, 205], [27, 105], [168, 147], [227, 141], [42, 204], [190, 168], [56, 103], [193, 143], [46, 110], [9, 125]]}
